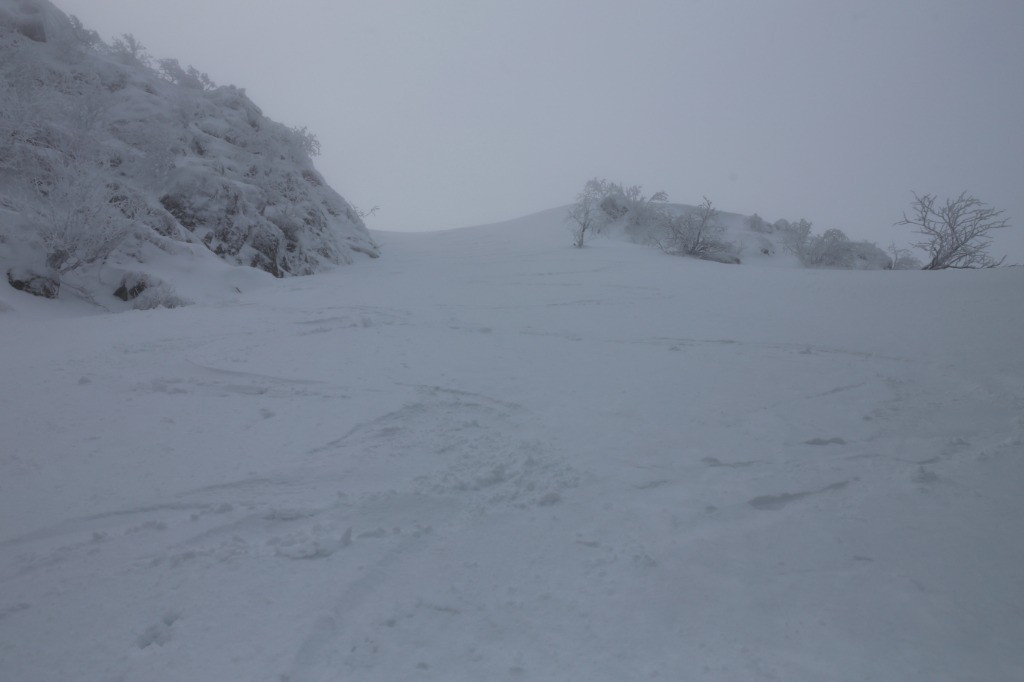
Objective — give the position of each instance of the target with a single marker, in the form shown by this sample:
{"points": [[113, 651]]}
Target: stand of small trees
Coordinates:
{"points": [[955, 234], [603, 203], [830, 249], [649, 219]]}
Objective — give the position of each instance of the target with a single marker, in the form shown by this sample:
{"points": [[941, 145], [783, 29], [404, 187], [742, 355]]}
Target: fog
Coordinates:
{"points": [[450, 113]]}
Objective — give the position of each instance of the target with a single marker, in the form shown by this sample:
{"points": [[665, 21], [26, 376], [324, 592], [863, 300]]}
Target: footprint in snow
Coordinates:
{"points": [[319, 544], [161, 633], [825, 441], [777, 502], [715, 462]]}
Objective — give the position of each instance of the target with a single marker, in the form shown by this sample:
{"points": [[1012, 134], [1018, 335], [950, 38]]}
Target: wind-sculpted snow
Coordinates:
{"points": [[106, 159], [493, 456]]}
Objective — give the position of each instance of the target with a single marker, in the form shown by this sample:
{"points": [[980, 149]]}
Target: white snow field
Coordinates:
{"points": [[491, 456]]}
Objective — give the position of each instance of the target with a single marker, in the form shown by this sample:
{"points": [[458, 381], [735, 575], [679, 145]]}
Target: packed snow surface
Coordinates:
{"points": [[491, 456]]}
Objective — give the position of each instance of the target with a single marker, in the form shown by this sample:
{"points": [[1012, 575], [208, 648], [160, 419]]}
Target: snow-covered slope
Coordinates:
{"points": [[492, 456], [100, 145]]}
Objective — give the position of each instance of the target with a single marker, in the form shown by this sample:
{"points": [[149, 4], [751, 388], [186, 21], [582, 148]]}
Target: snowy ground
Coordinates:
{"points": [[489, 456]]}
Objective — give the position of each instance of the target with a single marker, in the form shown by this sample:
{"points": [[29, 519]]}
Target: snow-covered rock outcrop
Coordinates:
{"points": [[106, 155]]}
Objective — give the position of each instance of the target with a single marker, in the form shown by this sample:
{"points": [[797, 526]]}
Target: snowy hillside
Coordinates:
{"points": [[492, 456], [107, 156]]}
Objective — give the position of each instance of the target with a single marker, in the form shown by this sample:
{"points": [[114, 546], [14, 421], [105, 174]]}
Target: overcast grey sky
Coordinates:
{"points": [[457, 112]]}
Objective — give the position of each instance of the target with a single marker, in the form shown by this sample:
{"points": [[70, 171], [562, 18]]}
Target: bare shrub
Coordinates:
{"points": [[81, 219], [955, 234], [696, 233]]}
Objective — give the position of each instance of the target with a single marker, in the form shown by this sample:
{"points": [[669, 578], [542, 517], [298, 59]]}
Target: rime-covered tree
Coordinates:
{"points": [[583, 215]]}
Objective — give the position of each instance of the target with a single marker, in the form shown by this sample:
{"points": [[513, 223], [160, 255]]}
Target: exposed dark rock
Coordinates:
{"points": [[47, 286], [131, 286]]}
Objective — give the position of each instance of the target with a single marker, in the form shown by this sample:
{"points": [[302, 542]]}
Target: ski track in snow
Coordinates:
{"points": [[460, 473]]}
